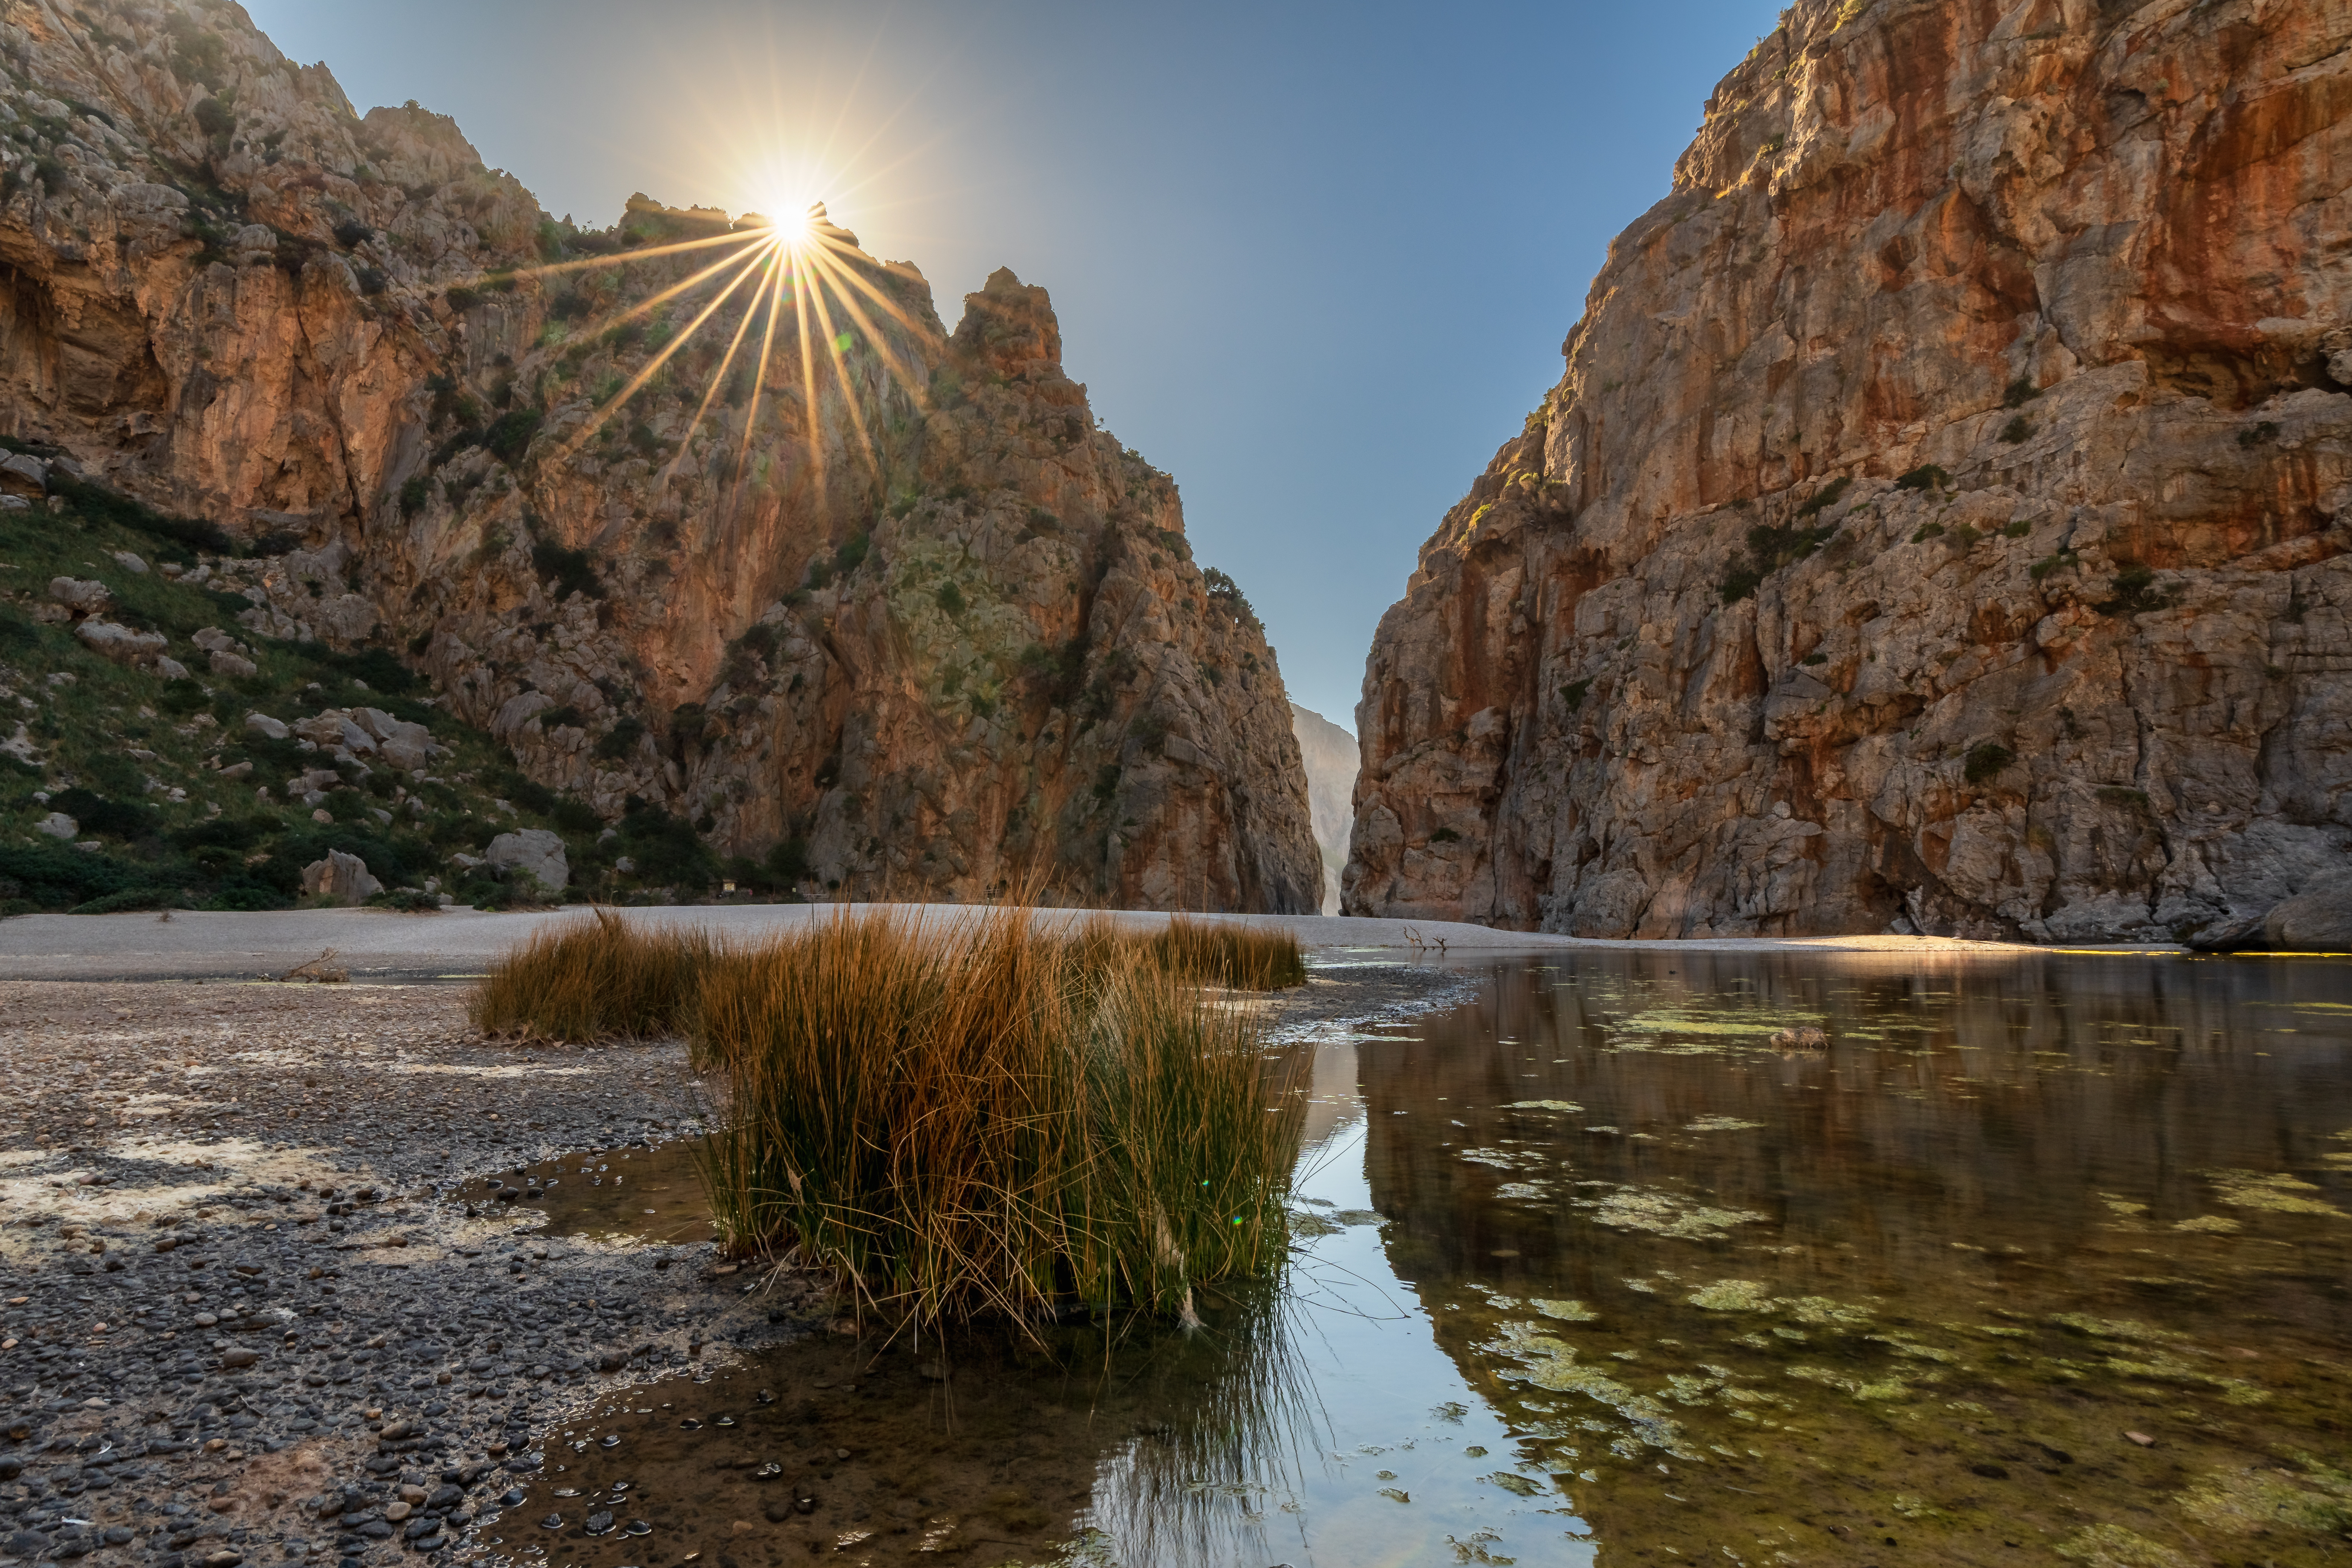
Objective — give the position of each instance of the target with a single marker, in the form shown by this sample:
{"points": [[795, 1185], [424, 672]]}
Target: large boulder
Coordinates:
{"points": [[2318, 919], [404, 746], [263, 725], [83, 597], [340, 879], [532, 852], [120, 643], [58, 825]]}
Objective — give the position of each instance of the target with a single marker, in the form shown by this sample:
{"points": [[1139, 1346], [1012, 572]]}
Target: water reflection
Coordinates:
{"points": [[2033, 1259]]}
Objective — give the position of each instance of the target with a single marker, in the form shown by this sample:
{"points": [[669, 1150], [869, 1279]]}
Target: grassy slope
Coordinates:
{"points": [[89, 729]]}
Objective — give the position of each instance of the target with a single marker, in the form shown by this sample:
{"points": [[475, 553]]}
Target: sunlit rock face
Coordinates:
{"points": [[1940, 522], [1330, 754], [894, 617]]}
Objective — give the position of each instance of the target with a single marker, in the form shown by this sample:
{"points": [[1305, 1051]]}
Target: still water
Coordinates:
{"points": [[2036, 1261]]}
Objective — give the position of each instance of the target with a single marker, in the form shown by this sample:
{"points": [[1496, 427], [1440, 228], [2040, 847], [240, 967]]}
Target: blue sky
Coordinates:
{"points": [[1314, 262]]}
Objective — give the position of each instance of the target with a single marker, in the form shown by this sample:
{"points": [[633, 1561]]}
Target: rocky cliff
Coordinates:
{"points": [[696, 521], [1329, 755], [1941, 523]]}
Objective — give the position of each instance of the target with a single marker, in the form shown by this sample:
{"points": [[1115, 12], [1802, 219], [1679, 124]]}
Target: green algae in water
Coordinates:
{"points": [[2258, 1499], [1722, 1125], [1732, 1296], [1542, 1105], [2275, 1191], [2113, 1546], [1566, 1311], [2210, 1223], [1662, 1212]]}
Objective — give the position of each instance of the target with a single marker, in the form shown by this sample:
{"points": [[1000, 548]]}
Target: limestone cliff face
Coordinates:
{"points": [[1941, 523], [891, 612]]}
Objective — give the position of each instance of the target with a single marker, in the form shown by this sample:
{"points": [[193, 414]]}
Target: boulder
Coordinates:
{"points": [[262, 724], [84, 598], [23, 475], [340, 879], [532, 852], [2318, 919], [235, 665], [131, 561], [170, 670], [120, 643], [58, 825]]}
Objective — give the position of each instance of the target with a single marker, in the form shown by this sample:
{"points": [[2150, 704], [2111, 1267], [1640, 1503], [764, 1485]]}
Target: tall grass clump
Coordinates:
{"points": [[598, 979], [982, 1118], [1244, 958]]}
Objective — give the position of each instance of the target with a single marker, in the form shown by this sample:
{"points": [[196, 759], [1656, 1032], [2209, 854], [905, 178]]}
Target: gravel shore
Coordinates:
{"points": [[250, 1318]]}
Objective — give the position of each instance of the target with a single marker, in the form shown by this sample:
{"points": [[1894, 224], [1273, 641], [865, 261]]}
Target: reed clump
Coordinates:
{"points": [[1243, 958], [599, 979], [988, 1118]]}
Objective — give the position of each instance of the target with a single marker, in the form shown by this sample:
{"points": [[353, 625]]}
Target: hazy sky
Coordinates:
{"points": [[1314, 262]]}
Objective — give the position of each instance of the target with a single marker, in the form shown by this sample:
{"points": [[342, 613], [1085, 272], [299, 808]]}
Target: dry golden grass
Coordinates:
{"points": [[1245, 958], [985, 1118], [598, 979]]}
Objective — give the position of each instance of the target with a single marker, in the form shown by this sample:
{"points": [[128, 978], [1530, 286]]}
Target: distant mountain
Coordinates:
{"points": [[1330, 754]]}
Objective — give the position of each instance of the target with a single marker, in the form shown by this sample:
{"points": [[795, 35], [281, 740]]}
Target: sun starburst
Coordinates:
{"points": [[801, 288]]}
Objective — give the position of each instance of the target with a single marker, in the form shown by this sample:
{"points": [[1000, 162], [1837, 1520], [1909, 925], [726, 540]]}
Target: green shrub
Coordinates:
{"points": [[2021, 392], [407, 902], [2135, 592], [1826, 496], [2018, 428], [2017, 528], [951, 599], [112, 818], [571, 570], [1926, 477], [666, 850], [57, 877], [622, 738], [1926, 531], [1572, 694], [101, 504], [1985, 760], [1768, 550], [510, 435], [2266, 431], [787, 862], [1445, 835], [413, 494]]}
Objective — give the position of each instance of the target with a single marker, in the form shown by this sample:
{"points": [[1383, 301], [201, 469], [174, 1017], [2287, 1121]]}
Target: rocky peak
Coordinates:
{"points": [[882, 614], [1009, 327]]}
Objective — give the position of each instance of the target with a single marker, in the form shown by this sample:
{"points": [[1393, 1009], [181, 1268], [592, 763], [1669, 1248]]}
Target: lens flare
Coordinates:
{"points": [[789, 290]]}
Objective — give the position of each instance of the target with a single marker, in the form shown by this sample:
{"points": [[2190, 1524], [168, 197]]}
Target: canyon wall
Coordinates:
{"points": [[866, 601], [1940, 524]]}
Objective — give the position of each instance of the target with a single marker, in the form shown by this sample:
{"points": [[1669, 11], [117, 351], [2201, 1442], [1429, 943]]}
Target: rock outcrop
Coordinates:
{"points": [[874, 607], [1940, 524], [1329, 755]]}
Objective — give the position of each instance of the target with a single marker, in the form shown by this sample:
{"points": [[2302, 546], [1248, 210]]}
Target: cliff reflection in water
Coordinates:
{"points": [[1916, 1291], [2036, 1262]]}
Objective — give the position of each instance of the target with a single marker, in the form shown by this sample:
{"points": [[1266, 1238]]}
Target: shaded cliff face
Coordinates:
{"points": [[870, 604], [1330, 754], [1940, 522]]}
